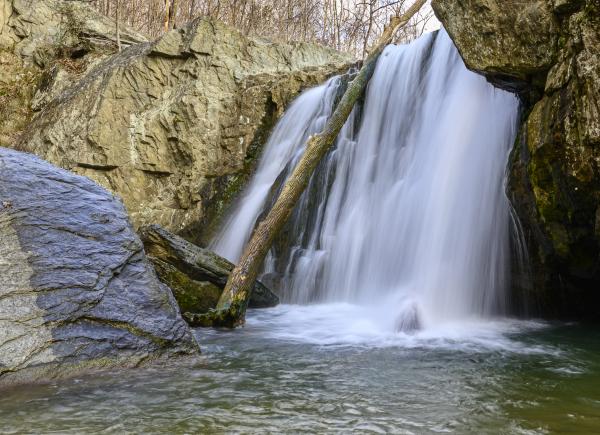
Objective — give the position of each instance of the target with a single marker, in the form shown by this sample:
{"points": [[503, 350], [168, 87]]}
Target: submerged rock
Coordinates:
{"points": [[408, 319], [196, 275], [76, 290], [550, 52]]}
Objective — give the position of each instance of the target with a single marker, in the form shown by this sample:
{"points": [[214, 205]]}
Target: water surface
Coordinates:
{"points": [[336, 368]]}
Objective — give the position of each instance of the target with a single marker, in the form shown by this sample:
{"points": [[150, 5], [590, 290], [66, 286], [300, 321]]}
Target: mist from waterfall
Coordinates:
{"points": [[407, 214]]}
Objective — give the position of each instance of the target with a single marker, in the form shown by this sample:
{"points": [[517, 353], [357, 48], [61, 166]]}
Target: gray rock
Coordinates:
{"points": [[76, 290], [196, 275]]}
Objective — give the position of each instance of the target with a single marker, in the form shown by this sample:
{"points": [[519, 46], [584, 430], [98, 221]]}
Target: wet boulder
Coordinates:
{"points": [[76, 290], [196, 275]]}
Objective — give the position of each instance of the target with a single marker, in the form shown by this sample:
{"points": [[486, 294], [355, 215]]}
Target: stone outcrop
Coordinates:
{"points": [[197, 276], [550, 52], [174, 126], [510, 41], [6, 35], [76, 290], [43, 41], [36, 28]]}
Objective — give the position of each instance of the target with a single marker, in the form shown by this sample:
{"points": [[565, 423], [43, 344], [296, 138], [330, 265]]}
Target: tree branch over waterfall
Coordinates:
{"points": [[231, 309]]}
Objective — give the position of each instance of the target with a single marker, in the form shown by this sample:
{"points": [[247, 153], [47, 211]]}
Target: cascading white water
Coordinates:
{"points": [[306, 116], [408, 212]]}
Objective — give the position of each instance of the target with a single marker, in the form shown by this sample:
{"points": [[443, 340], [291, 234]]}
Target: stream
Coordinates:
{"points": [[333, 368]]}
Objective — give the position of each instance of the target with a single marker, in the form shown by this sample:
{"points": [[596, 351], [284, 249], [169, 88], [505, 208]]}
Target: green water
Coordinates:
{"points": [[303, 370]]}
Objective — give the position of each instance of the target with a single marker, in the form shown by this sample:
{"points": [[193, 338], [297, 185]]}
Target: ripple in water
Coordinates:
{"points": [[333, 368]]}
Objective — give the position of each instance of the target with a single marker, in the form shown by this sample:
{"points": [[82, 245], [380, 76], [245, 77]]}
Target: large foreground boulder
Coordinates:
{"points": [[550, 52], [76, 290], [196, 275]]}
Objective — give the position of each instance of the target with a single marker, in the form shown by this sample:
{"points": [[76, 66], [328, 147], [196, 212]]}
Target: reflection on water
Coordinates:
{"points": [[331, 368]]}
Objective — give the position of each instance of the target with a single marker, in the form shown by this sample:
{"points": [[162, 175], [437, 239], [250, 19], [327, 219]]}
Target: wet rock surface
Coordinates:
{"points": [[550, 53], [76, 290], [196, 275]]}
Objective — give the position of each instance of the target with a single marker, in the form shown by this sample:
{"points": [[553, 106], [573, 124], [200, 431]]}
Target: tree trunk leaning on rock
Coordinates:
{"points": [[231, 309]]}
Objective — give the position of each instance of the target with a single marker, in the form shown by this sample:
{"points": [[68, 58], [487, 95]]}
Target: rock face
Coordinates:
{"points": [[76, 290], [550, 51], [34, 27], [42, 41], [510, 41], [6, 35], [174, 126], [197, 276]]}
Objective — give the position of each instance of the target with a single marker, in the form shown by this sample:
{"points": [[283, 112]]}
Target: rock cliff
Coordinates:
{"points": [[40, 39], [172, 126], [76, 290], [549, 51]]}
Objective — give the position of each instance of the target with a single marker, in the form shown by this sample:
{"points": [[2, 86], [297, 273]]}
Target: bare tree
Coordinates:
{"points": [[117, 30], [347, 25]]}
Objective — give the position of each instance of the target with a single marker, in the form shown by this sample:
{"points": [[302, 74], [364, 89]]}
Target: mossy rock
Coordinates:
{"points": [[197, 276]]}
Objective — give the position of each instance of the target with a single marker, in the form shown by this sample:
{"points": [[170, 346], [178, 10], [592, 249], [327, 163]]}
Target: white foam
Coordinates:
{"points": [[344, 324]]}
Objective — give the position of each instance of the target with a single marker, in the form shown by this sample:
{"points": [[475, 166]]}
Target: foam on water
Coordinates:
{"points": [[344, 324]]}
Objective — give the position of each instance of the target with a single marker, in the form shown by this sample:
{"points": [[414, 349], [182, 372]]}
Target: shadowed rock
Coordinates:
{"points": [[76, 290], [196, 275]]}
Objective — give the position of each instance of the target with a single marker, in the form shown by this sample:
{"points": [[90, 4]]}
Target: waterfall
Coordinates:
{"points": [[407, 212]]}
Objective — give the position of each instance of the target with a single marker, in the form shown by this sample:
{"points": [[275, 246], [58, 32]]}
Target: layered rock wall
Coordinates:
{"points": [[40, 41], [174, 126], [32, 28]]}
